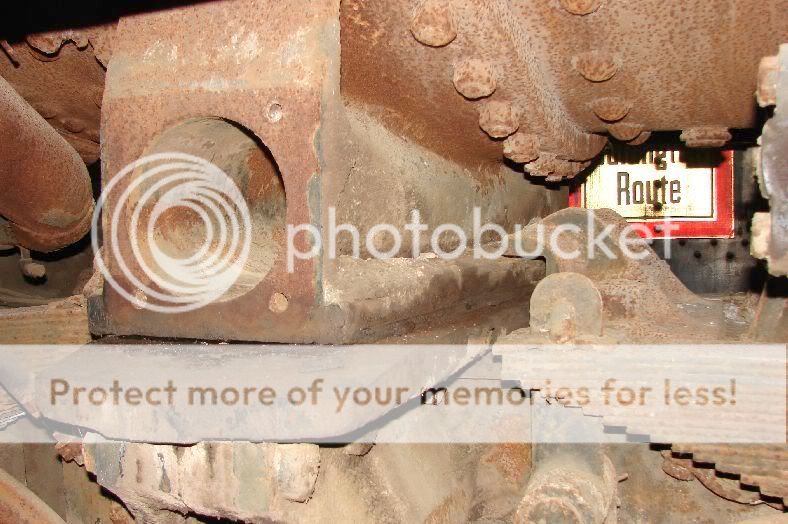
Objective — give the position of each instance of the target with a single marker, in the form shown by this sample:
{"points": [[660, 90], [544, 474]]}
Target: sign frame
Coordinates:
{"points": [[722, 226]]}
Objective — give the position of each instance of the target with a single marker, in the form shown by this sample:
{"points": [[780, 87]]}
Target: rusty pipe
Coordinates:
{"points": [[19, 504], [45, 190]]}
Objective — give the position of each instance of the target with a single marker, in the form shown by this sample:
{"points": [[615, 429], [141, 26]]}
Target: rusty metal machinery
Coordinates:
{"points": [[287, 94], [46, 199], [327, 112], [556, 77], [377, 108], [374, 108]]}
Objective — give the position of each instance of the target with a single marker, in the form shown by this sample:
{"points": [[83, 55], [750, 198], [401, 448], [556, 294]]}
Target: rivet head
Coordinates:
{"points": [[434, 24], [275, 112], [555, 169], [474, 78], [568, 169], [625, 131], [705, 136], [543, 166], [581, 7], [640, 139], [596, 66], [611, 108], [278, 303], [140, 299], [521, 147], [499, 119]]}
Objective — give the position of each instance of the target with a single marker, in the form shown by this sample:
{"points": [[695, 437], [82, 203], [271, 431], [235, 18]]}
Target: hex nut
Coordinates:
{"points": [[543, 166], [50, 43]]}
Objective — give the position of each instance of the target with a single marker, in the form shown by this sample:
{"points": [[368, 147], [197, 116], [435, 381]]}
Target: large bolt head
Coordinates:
{"points": [[576, 290]]}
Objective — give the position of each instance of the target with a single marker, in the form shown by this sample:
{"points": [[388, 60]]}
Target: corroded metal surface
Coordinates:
{"points": [[20, 505], [569, 69], [283, 87], [764, 467], [649, 304], [269, 82], [61, 76], [642, 299], [46, 195], [574, 485]]}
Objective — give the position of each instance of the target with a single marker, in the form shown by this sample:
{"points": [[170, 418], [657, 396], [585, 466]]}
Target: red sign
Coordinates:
{"points": [[670, 193]]}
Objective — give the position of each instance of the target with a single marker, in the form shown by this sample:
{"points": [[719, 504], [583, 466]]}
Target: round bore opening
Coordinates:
{"points": [[209, 195]]}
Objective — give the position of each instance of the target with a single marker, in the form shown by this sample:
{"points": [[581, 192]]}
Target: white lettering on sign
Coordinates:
{"points": [[656, 186]]}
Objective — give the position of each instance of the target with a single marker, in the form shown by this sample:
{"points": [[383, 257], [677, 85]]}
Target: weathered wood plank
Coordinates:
{"points": [[61, 322]]}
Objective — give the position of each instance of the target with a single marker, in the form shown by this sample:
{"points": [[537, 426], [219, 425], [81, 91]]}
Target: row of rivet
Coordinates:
{"points": [[434, 25], [599, 66]]}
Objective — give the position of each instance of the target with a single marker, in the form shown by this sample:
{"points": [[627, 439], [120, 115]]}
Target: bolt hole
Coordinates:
{"points": [[697, 254], [275, 112], [278, 303], [140, 299]]}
